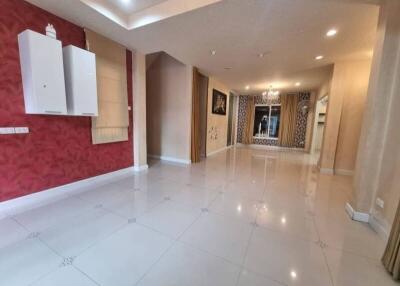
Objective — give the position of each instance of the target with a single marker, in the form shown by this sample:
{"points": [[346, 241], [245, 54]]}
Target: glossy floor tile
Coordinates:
{"points": [[243, 217], [183, 265], [65, 276]]}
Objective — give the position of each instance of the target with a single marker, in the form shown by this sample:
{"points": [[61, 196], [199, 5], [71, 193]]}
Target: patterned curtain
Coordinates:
{"points": [[287, 131], [248, 129]]}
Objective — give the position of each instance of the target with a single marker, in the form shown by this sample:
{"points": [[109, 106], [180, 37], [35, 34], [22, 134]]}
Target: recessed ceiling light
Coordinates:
{"points": [[293, 274], [247, 87], [331, 33], [213, 52], [319, 58], [263, 54], [297, 84]]}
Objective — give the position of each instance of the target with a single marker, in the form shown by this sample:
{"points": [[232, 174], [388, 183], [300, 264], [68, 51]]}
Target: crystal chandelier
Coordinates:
{"points": [[270, 94]]}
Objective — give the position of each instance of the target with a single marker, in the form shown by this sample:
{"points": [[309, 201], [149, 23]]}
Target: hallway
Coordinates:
{"points": [[241, 217]]}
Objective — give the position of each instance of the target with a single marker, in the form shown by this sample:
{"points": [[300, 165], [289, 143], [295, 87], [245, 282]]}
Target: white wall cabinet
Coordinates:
{"points": [[42, 74], [80, 81]]}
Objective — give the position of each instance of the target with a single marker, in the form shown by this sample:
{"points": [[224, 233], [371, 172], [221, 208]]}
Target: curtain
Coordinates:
{"points": [[195, 138], [248, 129], [111, 125], [391, 256], [287, 129]]}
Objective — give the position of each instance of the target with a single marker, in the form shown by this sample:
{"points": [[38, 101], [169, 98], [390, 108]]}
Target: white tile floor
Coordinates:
{"points": [[242, 217]]}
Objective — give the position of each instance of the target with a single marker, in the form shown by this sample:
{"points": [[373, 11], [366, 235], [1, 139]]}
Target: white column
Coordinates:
{"points": [[139, 112]]}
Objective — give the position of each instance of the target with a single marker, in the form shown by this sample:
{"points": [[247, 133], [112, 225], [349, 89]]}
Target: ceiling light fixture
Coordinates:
{"points": [[293, 274], [271, 94], [213, 52], [331, 33], [319, 58], [297, 84], [247, 87]]}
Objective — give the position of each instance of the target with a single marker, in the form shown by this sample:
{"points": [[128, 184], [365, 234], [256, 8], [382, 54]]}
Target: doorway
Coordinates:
{"points": [[203, 94], [319, 127]]}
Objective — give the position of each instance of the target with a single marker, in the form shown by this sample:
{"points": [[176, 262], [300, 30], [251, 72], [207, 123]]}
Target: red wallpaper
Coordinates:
{"points": [[58, 149]]}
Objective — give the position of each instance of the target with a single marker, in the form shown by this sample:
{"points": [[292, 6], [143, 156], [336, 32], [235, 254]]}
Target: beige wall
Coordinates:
{"points": [[217, 125], [344, 116], [352, 115], [168, 108], [139, 111], [378, 161]]}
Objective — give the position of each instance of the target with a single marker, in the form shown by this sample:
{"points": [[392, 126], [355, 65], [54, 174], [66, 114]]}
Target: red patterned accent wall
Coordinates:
{"points": [[58, 150]]}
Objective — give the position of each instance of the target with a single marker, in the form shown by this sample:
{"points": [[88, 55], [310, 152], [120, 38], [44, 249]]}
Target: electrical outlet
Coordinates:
{"points": [[21, 130], [380, 203], [7, 130]]}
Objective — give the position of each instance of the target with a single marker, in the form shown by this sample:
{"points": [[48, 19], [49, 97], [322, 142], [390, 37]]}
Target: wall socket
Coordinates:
{"points": [[21, 130], [7, 130], [380, 203], [14, 130]]}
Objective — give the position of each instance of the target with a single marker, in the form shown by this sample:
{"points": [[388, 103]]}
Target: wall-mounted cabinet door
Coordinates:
{"points": [[80, 81], [42, 72]]}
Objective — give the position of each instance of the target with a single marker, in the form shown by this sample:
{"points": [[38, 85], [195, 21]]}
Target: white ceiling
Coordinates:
{"points": [[129, 6], [292, 32]]}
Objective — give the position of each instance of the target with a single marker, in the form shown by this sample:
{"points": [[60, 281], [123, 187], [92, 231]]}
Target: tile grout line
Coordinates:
{"points": [[323, 253], [175, 241]]}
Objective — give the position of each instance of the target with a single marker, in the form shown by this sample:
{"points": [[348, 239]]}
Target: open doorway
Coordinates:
{"points": [[203, 94], [319, 127]]}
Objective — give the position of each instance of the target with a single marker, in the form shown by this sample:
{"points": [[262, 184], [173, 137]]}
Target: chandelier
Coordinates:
{"points": [[271, 94]]}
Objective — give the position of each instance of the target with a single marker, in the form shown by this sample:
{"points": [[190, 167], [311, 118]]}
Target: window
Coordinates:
{"points": [[267, 121]]}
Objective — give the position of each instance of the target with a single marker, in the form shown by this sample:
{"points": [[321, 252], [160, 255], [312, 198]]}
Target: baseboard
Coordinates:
{"points": [[270, 147], [380, 227], [21, 204], [170, 159], [140, 168], [355, 215], [219, 150], [344, 172], [326, 171]]}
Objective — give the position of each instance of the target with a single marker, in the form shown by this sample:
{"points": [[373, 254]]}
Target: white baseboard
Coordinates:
{"points": [[140, 168], [326, 171], [270, 147], [355, 215], [344, 172], [170, 159], [21, 204], [380, 227], [218, 151]]}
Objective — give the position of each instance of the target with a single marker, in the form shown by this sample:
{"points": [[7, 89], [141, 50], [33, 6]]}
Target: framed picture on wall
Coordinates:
{"points": [[218, 102]]}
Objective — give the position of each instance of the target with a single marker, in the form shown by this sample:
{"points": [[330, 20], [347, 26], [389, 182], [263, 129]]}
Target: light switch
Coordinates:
{"points": [[7, 130], [21, 130]]}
